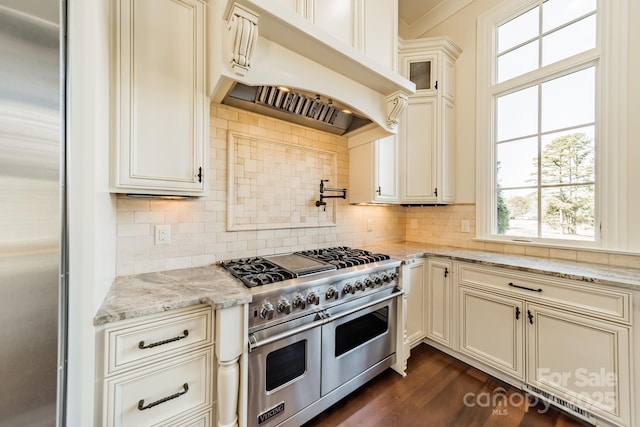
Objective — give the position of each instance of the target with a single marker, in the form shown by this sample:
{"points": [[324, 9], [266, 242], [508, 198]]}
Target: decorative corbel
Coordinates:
{"points": [[243, 34], [395, 104]]}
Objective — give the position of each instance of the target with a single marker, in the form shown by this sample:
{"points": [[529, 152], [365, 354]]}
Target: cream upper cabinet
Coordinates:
{"points": [[160, 117], [373, 172], [427, 128], [370, 27]]}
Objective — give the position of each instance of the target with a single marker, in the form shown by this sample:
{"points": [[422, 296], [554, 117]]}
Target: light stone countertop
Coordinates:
{"points": [[150, 293], [622, 277]]}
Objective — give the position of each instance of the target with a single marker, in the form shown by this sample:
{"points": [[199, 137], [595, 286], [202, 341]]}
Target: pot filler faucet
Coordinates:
{"points": [[321, 202]]}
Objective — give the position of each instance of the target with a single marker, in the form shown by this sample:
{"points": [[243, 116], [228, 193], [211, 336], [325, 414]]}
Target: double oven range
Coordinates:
{"points": [[322, 323]]}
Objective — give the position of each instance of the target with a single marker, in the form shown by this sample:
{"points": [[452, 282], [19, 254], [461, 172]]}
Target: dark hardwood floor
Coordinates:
{"points": [[440, 391]]}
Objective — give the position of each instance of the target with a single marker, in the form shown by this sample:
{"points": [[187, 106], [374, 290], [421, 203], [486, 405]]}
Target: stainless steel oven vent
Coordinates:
{"points": [[295, 106]]}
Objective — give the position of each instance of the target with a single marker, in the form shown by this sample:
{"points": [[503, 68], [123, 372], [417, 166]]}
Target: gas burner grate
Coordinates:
{"points": [[344, 256], [256, 271]]}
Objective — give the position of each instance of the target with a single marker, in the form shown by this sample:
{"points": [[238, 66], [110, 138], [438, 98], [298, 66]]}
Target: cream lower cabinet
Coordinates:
{"points": [[158, 370], [413, 283], [583, 361], [491, 330], [437, 301], [564, 340]]}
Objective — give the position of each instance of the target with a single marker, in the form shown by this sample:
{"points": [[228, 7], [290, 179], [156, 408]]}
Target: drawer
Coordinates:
{"points": [[200, 420], [156, 337], [612, 304], [164, 394]]}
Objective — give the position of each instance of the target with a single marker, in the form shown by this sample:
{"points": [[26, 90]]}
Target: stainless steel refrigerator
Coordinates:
{"points": [[33, 267]]}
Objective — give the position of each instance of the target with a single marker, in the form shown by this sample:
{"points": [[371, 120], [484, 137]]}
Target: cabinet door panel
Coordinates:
{"points": [[419, 151], [580, 359], [161, 129], [380, 31], [414, 274], [337, 18], [447, 148], [386, 170], [491, 330], [438, 301]]}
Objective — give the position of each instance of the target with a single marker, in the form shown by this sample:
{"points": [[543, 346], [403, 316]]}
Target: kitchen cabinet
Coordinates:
{"points": [[437, 301], [157, 369], [160, 111], [565, 340], [414, 274], [373, 172], [427, 128], [370, 28]]}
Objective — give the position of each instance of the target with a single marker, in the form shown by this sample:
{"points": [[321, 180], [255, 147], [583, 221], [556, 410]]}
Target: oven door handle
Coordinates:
{"points": [[363, 307], [255, 342]]}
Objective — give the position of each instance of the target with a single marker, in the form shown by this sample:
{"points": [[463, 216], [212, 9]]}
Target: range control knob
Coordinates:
{"points": [[299, 302], [377, 279], [368, 283], [348, 289], [331, 293], [359, 285], [393, 276], [266, 311], [284, 306], [312, 298]]}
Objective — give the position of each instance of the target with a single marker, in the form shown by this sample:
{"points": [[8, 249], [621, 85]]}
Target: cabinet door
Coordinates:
{"points": [[337, 18], [380, 31], [418, 133], [491, 330], [437, 301], [414, 272], [446, 153], [582, 360], [162, 122], [386, 181]]}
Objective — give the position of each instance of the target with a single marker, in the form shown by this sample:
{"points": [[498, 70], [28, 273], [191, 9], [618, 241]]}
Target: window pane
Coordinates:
{"points": [[518, 30], [569, 100], [518, 62], [568, 157], [569, 41], [517, 163], [517, 114], [420, 74], [517, 213], [568, 212], [558, 12]]}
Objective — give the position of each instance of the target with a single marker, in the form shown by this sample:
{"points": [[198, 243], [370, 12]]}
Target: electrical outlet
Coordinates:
{"points": [[163, 234], [464, 226]]}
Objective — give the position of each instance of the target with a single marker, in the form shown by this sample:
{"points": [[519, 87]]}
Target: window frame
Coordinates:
{"points": [[610, 59]]}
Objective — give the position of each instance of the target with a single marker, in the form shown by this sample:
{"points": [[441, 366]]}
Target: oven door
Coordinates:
{"points": [[284, 370], [359, 336]]}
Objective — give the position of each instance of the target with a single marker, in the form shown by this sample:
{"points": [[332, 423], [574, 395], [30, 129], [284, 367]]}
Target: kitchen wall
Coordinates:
{"points": [[199, 233], [443, 223]]}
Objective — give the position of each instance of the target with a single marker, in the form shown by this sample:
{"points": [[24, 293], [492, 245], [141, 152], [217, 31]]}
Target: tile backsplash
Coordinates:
{"points": [[199, 233]]}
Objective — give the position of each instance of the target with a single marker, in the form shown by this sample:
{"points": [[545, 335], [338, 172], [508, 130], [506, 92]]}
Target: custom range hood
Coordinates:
{"points": [[270, 60]]}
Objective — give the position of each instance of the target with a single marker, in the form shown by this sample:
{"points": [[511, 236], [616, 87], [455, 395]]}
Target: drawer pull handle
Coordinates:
{"points": [[141, 406], [142, 346], [525, 288]]}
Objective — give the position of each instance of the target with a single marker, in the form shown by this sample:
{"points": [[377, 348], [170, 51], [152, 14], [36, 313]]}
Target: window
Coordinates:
{"points": [[543, 145]]}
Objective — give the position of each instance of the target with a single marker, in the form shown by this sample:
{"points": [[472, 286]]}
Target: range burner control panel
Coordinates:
{"points": [[289, 303]]}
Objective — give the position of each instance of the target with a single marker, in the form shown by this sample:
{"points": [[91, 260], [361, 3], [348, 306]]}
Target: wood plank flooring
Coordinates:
{"points": [[439, 391]]}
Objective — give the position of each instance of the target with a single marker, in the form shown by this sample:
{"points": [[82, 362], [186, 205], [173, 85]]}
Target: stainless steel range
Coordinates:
{"points": [[322, 323]]}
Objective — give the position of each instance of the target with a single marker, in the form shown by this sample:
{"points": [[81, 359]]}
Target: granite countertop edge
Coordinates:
{"points": [[600, 274], [150, 293]]}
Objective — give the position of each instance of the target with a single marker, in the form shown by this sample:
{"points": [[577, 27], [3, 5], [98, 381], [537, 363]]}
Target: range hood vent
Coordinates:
{"points": [[295, 106]]}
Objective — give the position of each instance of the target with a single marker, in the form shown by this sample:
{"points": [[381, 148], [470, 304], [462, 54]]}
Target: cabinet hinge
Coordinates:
{"points": [[446, 271], [435, 192], [530, 316], [517, 313], [436, 86], [200, 174]]}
